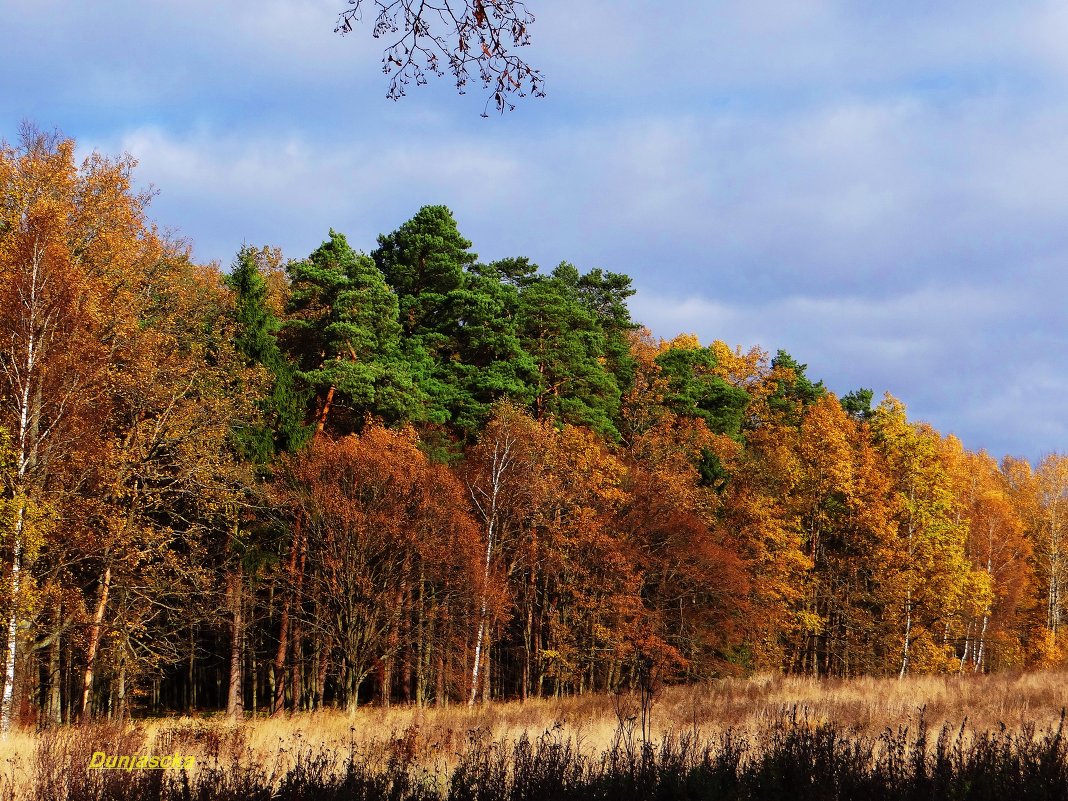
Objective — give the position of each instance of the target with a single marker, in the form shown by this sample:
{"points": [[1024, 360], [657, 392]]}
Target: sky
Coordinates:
{"points": [[880, 190]]}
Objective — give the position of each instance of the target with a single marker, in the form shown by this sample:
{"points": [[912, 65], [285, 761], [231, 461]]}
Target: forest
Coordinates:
{"points": [[405, 476]]}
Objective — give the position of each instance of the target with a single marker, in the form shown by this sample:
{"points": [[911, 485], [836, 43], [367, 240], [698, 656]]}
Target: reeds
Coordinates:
{"points": [[763, 739]]}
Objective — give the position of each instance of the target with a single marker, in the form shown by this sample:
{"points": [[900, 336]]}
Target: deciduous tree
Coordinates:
{"points": [[929, 571], [389, 543], [461, 36], [69, 234]]}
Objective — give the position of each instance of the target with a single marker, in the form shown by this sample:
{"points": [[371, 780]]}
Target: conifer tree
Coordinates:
{"points": [[281, 427], [342, 328], [426, 261], [567, 342], [794, 390]]}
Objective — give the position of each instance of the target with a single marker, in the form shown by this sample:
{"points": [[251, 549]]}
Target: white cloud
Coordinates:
{"points": [[878, 189], [288, 190]]}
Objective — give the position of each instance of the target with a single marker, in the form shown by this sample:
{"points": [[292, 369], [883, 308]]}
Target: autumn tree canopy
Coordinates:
{"points": [[403, 475]]}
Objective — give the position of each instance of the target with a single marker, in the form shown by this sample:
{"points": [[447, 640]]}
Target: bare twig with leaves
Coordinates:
{"points": [[464, 36]]}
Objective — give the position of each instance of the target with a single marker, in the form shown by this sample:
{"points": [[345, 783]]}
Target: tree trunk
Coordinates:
{"points": [[278, 702], [967, 646], [980, 651], [190, 678], [908, 634], [407, 667], [440, 685], [235, 696], [483, 610], [320, 424], [296, 640], [320, 677], [120, 690], [66, 687], [55, 672], [488, 505], [296, 669], [95, 629], [1054, 601], [12, 622], [486, 689], [28, 409], [528, 638], [254, 674], [385, 681], [421, 645]]}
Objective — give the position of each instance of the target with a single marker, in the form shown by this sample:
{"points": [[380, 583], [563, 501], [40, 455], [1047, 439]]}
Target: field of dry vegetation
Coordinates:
{"points": [[731, 739]]}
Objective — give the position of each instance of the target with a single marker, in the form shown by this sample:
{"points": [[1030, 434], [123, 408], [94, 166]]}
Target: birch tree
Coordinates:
{"points": [[928, 570], [502, 474], [1002, 582], [1052, 481], [68, 233]]}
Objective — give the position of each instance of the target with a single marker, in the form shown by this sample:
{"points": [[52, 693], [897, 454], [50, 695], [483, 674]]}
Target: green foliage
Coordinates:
{"points": [[605, 294], [567, 342], [424, 261], [489, 362], [475, 333], [858, 404], [283, 407], [794, 390], [342, 329], [711, 470], [458, 319], [694, 390]]}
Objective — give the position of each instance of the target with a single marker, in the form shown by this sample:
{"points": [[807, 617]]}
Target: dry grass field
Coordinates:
{"points": [[434, 749]]}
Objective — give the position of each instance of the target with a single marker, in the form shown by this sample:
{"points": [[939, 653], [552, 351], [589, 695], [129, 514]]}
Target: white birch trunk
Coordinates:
{"points": [[25, 377], [908, 634], [489, 506]]}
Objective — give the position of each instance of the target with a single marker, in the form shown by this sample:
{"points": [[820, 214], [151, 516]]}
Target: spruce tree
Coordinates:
{"points": [[283, 407]]}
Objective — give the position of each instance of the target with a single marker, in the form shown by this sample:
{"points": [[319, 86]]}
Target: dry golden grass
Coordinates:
{"points": [[434, 737]]}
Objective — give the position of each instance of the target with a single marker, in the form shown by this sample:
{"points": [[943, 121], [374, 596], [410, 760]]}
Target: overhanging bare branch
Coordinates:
{"points": [[469, 38]]}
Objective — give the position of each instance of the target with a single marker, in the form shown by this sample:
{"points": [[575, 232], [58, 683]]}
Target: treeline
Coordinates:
{"points": [[409, 476]]}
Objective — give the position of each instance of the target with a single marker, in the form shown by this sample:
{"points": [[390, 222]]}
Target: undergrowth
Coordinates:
{"points": [[793, 757]]}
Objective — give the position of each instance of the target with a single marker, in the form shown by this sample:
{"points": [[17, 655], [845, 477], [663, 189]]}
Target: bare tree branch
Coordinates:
{"points": [[466, 37]]}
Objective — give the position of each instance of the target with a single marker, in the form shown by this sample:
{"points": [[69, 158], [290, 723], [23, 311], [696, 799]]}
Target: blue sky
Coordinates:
{"points": [[880, 190]]}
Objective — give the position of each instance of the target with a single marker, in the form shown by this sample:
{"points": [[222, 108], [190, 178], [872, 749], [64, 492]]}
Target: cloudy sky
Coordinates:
{"points": [[881, 190]]}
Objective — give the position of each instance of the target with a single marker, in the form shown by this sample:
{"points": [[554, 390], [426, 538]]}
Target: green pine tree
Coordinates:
{"points": [[567, 342], [342, 327], [694, 390]]}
